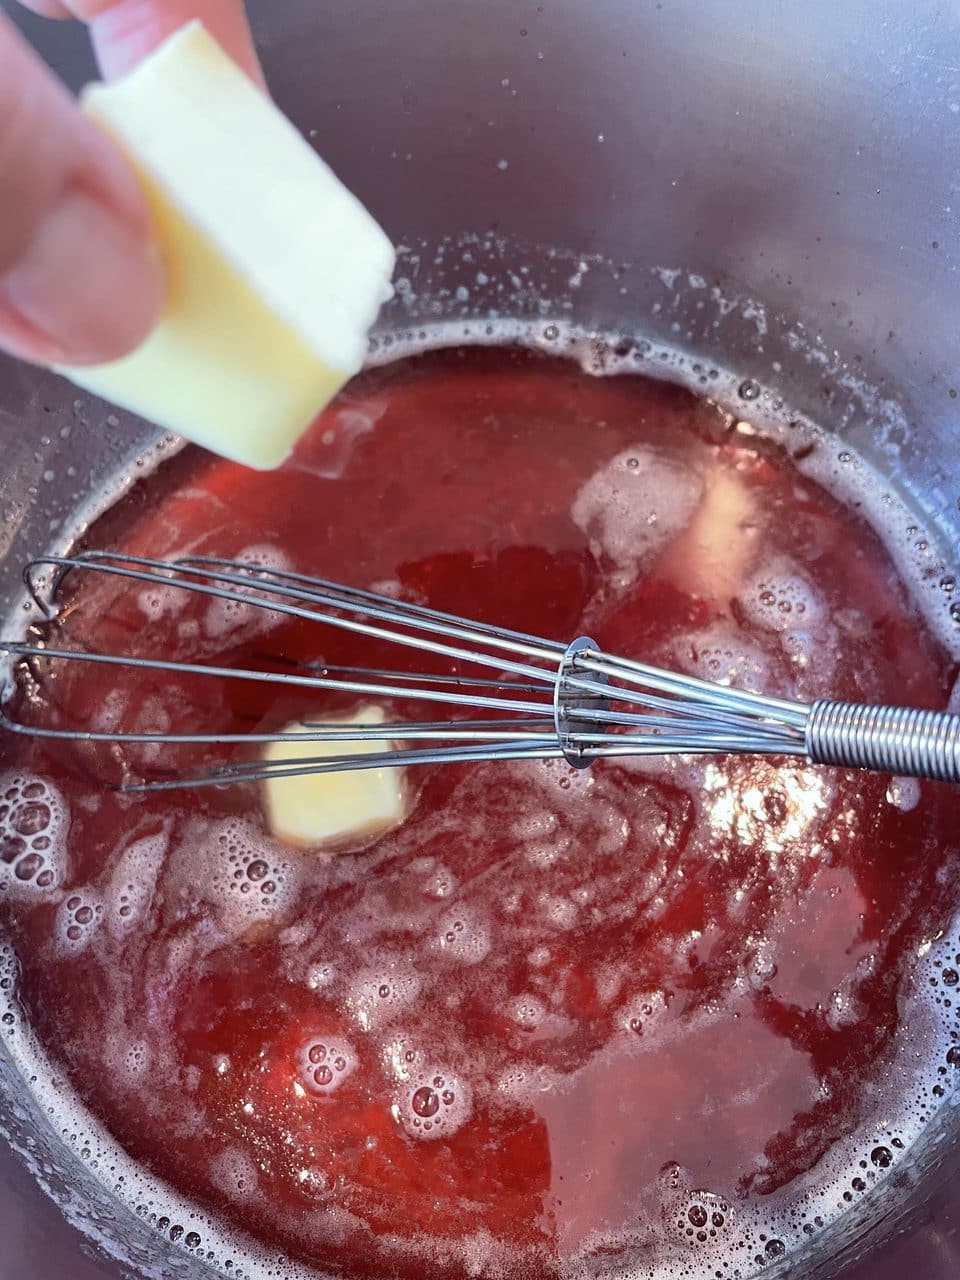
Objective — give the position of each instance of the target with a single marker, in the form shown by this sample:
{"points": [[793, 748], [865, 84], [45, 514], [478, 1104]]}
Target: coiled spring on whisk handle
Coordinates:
{"points": [[899, 740]]}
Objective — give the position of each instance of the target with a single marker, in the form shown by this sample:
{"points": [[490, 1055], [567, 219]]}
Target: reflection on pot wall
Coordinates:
{"points": [[768, 188]]}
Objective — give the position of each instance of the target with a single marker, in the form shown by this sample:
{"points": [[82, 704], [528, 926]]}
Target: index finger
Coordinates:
{"points": [[125, 31]]}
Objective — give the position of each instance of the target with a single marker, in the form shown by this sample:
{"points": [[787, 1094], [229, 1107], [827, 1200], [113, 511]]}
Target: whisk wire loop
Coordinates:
{"points": [[539, 699]]}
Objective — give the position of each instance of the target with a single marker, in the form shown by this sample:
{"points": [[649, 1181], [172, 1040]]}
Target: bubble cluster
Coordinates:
{"points": [[463, 936], [241, 616], [722, 654], [133, 883], [527, 1011], [439, 881], [79, 917], [641, 1013], [324, 1063], [158, 602], [247, 878], [33, 832], [377, 996], [433, 1103], [706, 1217], [129, 1059], [780, 597]]}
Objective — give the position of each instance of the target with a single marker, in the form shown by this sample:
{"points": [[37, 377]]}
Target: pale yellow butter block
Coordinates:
{"points": [[323, 808], [276, 271]]}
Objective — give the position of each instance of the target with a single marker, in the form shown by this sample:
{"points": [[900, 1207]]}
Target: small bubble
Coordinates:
{"points": [[32, 819], [775, 1248], [323, 1075], [384, 991], [882, 1157], [28, 867], [257, 869], [12, 848], [317, 1053], [697, 1215], [748, 390], [950, 977], [953, 1056], [191, 1240]]}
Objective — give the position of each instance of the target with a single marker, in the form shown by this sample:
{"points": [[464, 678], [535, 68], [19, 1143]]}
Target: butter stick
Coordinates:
{"points": [[276, 271]]}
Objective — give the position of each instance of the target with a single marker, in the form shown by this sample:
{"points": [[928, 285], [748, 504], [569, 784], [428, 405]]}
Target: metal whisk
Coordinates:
{"points": [[544, 700]]}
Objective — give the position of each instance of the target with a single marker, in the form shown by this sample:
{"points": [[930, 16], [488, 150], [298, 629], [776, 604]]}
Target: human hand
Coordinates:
{"points": [[80, 279]]}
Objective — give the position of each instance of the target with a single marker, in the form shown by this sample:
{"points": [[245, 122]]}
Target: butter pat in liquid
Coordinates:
{"points": [[325, 808], [276, 271]]}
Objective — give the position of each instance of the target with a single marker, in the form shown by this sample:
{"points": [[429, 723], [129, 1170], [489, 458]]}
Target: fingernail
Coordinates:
{"points": [[88, 289]]}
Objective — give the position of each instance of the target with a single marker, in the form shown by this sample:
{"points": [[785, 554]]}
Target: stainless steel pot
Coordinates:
{"points": [[773, 188]]}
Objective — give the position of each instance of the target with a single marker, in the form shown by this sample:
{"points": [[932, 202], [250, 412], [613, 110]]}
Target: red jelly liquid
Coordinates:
{"points": [[556, 1018]]}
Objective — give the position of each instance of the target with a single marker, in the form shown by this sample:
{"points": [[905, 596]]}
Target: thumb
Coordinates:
{"points": [[80, 282]]}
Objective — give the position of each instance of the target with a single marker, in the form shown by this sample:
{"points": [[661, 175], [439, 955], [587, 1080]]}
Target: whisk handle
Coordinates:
{"points": [[898, 740]]}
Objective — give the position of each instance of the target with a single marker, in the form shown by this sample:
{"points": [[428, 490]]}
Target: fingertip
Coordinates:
{"points": [[88, 290], [124, 32]]}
